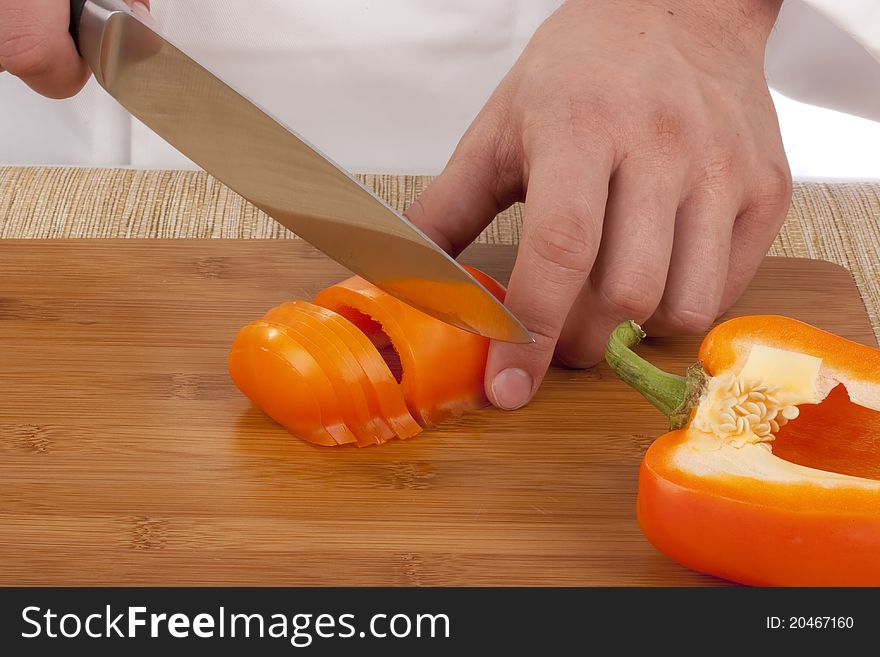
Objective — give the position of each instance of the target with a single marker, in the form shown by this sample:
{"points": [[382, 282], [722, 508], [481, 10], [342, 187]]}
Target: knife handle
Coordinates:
{"points": [[76, 10]]}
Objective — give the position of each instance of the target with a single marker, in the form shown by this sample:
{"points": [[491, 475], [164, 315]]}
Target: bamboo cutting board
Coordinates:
{"points": [[127, 456]]}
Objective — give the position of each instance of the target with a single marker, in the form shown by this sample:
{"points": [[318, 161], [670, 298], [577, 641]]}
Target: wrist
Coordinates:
{"points": [[749, 20], [741, 25]]}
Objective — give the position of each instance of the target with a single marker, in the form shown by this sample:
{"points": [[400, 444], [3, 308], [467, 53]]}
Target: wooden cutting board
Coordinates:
{"points": [[127, 456]]}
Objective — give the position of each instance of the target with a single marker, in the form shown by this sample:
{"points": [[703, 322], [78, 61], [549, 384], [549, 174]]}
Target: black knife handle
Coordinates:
{"points": [[76, 10]]}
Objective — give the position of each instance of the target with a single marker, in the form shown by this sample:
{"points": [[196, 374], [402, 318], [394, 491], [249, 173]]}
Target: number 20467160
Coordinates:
{"points": [[809, 623]]}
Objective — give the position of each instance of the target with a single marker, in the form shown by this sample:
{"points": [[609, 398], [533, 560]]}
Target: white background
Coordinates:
{"points": [[824, 144]]}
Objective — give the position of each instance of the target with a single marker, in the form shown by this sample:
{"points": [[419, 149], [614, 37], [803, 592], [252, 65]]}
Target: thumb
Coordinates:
{"points": [[481, 179]]}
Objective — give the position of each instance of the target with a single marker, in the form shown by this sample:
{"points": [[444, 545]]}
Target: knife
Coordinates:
{"points": [[267, 163]]}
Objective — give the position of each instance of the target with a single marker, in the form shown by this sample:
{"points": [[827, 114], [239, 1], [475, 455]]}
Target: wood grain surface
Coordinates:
{"points": [[128, 457]]}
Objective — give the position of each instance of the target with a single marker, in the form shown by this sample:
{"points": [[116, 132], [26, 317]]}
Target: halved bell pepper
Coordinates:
{"points": [[358, 366], [770, 474]]}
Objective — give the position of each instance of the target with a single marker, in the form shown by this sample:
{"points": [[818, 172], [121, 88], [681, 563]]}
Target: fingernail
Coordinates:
{"points": [[512, 388]]}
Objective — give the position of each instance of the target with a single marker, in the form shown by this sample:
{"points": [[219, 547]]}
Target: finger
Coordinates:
{"points": [[698, 270], [628, 278], [35, 45], [562, 226], [754, 232], [483, 177]]}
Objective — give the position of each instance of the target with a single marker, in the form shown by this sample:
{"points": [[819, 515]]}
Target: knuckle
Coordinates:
{"points": [[565, 242], [634, 296], [543, 317], [574, 356], [420, 215], [26, 55], [720, 165], [666, 133], [774, 187], [488, 152], [545, 332], [545, 329], [689, 320], [587, 118], [583, 121]]}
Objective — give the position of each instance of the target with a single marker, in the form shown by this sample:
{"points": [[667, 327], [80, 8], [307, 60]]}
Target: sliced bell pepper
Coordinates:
{"points": [[316, 368], [770, 474]]}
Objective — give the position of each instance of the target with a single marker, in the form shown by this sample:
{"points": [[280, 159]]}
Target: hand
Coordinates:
{"points": [[35, 45], [643, 139]]}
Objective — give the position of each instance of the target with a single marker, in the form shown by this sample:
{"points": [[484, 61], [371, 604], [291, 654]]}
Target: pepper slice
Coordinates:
{"points": [[283, 379], [771, 474]]}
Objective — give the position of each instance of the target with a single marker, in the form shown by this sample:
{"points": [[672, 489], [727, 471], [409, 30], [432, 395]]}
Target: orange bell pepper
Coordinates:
{"points": [[771, 472], [326, 370]]}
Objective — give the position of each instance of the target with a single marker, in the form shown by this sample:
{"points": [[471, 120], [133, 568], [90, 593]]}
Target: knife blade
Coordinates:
{"points": [[266, 162]]}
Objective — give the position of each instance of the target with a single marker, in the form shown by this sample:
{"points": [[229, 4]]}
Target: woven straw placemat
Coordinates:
{"points": [[839, 222]]}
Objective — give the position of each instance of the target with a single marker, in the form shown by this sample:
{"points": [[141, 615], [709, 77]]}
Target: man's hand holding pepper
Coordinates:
{"points": [[643, 140]]}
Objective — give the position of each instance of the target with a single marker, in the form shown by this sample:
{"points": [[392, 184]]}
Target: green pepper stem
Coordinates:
{"points": [[674, 395]]}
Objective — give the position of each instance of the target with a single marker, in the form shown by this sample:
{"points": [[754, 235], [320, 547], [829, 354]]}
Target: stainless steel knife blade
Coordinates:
{"points": [[266, 162]]}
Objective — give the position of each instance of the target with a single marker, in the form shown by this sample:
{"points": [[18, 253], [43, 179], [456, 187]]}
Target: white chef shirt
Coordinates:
{"points": [[391, 85]]}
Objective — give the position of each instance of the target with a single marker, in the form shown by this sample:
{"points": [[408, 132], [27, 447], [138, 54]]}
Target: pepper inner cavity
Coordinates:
{"points": [[376, 334], [835, 435]]}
